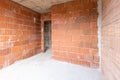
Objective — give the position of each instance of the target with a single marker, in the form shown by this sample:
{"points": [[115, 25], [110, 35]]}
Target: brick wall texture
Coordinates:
{"points": [[19, 32], [111, 39], [75, 32]]}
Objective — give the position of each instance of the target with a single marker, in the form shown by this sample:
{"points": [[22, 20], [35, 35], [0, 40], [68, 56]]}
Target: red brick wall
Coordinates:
{"points": [[75, 32], [44, 17], [19, 32], [111, 39]]}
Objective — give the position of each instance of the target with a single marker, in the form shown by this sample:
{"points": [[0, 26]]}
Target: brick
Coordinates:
{"points": [[94, 65], [1, 66], [96, 58], [74, 28], [18, 32], [5, 51], [94, 51], [4, 38], [2, 31], [9, 32], [2, 60], [84, 50], [13, 38]]}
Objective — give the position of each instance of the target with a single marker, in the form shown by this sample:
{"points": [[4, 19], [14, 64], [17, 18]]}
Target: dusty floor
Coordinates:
{"points": [[42, 67]]}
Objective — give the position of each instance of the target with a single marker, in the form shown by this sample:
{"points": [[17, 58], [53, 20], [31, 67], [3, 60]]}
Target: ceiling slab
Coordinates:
{"points": [[41, 6]]}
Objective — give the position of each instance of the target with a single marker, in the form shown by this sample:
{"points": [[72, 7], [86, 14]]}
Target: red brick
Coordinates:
{"points": [[2, 60], [16, 32], [74, 37], [4, 38]]}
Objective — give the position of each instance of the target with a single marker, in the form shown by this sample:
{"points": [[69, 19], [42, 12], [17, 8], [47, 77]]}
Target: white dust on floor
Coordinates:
{"points": [[42, 67]]}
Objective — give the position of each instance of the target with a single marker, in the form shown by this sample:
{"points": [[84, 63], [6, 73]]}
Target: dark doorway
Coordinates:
{"points": [[47, 34]]}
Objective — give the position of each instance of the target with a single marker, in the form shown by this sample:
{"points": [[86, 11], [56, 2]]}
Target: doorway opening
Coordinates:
{"points": [[47, 34]]}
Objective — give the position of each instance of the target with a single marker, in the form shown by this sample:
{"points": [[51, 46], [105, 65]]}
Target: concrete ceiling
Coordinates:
{"points": [[41, 6]]}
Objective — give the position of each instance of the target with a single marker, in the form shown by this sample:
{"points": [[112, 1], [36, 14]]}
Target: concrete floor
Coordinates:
{"points": [[42, 67]]}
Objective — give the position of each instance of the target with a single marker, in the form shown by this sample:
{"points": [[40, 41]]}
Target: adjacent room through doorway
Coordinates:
{"points": [[47, 34]]}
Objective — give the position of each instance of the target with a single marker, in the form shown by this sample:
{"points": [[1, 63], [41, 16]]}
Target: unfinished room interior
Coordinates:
{"points": [[59, 39]]}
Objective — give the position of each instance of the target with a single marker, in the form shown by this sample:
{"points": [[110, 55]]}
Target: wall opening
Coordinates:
{"points": [[47, 34]]}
